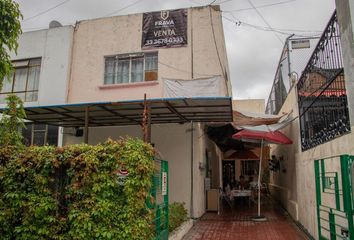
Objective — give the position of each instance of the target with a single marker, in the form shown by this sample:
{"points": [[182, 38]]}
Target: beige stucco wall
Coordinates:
{"points": [[95, 39], [249, 105], [295, 188], [173, 142]]}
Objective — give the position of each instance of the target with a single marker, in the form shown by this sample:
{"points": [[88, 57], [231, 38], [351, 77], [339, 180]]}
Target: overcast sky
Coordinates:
{"points": [[253, 53]]}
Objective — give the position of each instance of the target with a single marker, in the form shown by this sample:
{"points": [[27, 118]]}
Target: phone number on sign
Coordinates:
{"points": [[174, 40]]}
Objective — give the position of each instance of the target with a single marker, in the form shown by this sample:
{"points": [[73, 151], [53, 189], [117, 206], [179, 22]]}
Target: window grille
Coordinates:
{"points": [[322, 98]]}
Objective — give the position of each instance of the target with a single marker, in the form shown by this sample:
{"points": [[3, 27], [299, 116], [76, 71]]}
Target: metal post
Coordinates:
{"points": [[260, 218], [332, 225], [86, 130], [318, 196], [347, 196], [192, 175], [148, 130], [259, 180]]}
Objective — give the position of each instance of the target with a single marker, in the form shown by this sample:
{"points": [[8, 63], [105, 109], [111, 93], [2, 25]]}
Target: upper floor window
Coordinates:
{"points": [[24, 80], [131, 68]]}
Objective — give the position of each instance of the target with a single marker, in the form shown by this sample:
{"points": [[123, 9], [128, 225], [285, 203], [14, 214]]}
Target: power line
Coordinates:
{"points": [[280, 31], [121, 9], [45, 11], [185, 71], [260, 6], [264, 20], [212, 2]]}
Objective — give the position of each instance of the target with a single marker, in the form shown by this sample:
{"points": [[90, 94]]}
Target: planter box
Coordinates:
{"points": [[182, 230]]}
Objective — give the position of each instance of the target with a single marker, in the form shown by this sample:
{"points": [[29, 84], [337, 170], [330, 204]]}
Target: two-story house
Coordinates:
{"points": [[91, 79]]}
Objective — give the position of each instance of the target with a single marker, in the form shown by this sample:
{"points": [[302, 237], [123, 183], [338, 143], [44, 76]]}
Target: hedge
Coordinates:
{"points": [[75, 192]]}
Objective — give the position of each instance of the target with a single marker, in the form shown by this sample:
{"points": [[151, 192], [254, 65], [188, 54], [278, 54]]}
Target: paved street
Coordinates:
{"points": [[236, 224]]}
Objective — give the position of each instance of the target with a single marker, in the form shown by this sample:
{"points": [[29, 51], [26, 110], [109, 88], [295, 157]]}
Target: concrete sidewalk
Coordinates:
{"points": [[236, 223]]}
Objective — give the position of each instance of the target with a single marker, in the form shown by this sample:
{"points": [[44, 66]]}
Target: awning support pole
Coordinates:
{"points": [[86, 130], [192, 175], [146, 123], [148, 130]]}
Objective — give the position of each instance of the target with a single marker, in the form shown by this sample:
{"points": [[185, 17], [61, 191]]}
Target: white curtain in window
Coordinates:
{"points": [[123, 71], [109, 71], [33, 78], [150, 62], [20, 79], [137, 70], [7, 84]]}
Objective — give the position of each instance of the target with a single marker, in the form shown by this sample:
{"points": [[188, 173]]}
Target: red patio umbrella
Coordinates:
{"points": [[274, 137]]}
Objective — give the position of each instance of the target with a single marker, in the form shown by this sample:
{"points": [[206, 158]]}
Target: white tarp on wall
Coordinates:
{"points": [[202, 87]]}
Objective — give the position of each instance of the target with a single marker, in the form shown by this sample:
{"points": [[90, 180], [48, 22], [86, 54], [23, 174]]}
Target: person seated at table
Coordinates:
{"points": [[252, 183], [243, 184]]}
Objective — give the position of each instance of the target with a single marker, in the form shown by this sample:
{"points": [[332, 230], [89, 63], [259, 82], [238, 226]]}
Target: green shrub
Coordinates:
{"points": [[177, 215], [74, 192]]}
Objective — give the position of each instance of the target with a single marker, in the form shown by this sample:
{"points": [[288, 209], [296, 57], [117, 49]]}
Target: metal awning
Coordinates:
{"points": [[162, 110]]}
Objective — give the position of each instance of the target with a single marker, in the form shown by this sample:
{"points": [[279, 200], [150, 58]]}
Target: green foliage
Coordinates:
{"points": [[11, 121], [177, 215], [74, 192], [10, 29]]}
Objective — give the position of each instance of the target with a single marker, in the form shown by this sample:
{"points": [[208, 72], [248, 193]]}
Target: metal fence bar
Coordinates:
{"points": [[322, 98]]}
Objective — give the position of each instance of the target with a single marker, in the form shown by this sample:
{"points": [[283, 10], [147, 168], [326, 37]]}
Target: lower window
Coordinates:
{"points": [[40, 134]]}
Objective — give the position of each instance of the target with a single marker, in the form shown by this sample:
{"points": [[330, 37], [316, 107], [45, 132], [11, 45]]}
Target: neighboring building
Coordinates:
{"points": [[166, 55], [249, 105], [41, 75], [42, 67], [313, 183], [109, 62]]}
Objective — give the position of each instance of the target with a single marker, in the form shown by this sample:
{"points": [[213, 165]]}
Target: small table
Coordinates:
{"points": [[242, 193]]}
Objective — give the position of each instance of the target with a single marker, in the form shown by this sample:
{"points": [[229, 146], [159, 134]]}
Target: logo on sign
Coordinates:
{"points": [[165, 15], [122, 174]]}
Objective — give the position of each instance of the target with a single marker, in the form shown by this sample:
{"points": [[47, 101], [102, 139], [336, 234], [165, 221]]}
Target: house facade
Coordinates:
{"points": [[162, 55]]}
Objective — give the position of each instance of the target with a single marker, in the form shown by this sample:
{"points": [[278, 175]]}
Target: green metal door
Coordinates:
{"points": [[159, 202], [334, 197]]}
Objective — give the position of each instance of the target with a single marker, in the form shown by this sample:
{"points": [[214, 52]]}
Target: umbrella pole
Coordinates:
{"points": [[260, 218]]}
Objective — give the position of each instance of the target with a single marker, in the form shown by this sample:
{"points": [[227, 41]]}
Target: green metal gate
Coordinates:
{"points": [[334, 196], [159, 202]]}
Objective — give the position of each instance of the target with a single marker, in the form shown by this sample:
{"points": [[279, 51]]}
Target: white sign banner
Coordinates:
{"points": [[164, 183], [203, 87]]}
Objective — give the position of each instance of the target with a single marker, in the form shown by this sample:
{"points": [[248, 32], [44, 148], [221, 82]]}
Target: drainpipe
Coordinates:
{"points": [[192, 175], [289, 68], [86, 130]]}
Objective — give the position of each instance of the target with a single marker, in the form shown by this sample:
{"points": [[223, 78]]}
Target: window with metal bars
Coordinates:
{"points": [[23, 81], [322, 98]]}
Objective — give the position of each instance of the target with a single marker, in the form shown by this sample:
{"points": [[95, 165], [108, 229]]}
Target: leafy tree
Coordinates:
{"points": [[9, 134], [10, 30]]}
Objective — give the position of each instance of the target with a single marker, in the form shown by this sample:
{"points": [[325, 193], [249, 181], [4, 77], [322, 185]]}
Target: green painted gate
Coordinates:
{"points": [[159, 202], [334, 196]]}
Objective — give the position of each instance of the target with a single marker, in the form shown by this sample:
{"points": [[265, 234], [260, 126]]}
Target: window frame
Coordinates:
{"points": [[131, 57], [13, 78], [32, 126]]}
